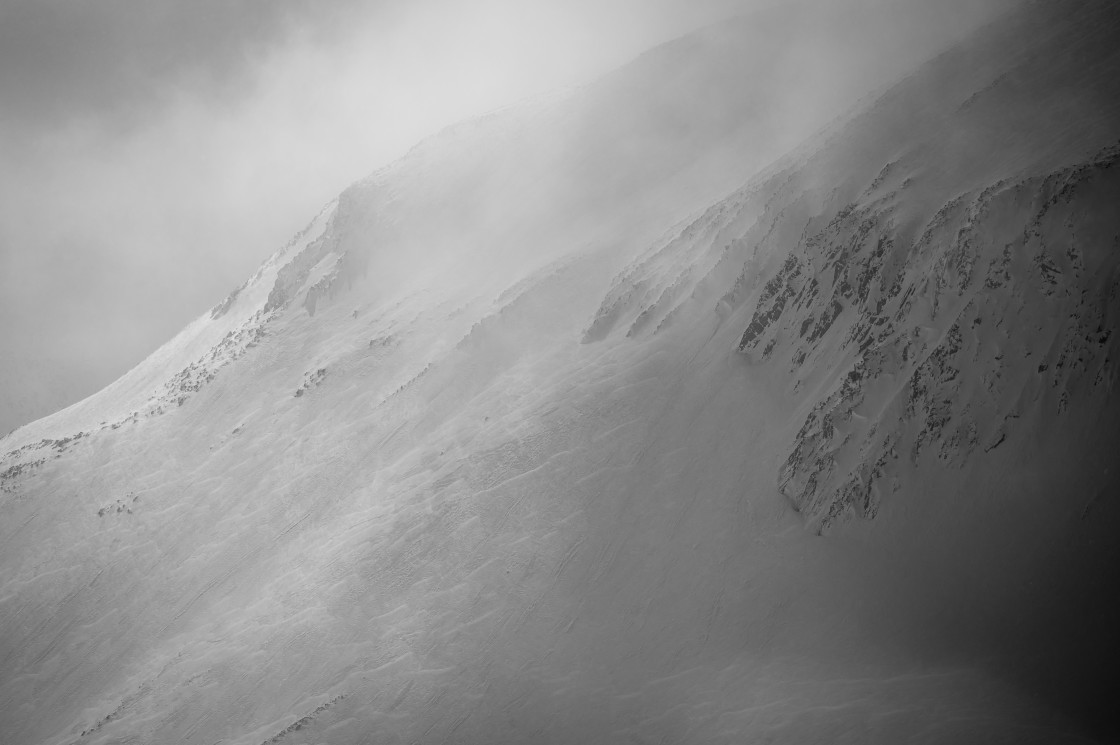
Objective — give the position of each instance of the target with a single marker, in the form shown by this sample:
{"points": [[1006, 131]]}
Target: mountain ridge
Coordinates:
{"points": [[542, 499]]}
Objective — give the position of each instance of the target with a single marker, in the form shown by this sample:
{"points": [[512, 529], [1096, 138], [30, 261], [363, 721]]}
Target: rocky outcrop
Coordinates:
{"points": [[294, 275], [1002, 310], [927, 281]]}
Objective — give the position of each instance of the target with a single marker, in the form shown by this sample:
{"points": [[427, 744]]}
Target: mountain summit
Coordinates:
{"points": [[590, 421]]}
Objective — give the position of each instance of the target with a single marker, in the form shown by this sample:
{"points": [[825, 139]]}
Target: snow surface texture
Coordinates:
{"points": [[520, 501]]}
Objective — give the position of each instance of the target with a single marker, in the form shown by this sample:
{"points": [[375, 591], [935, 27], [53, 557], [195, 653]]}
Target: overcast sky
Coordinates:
{"points": [[154, 152]]}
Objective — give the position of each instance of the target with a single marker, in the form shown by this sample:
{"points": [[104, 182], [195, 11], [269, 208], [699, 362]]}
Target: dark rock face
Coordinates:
{"points": [[1021, 277], [294, 275], [930, 282], [903, 344]]}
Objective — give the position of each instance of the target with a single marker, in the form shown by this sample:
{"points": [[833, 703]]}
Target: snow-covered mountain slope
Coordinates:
{"points": [[911, 249], [605, 163], [169, 376], [937, 287], [618, 161], [503, 497]]}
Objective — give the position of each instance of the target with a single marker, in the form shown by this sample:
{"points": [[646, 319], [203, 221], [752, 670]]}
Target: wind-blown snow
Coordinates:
{"points": [[575, 494]]}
